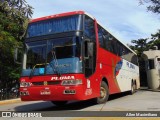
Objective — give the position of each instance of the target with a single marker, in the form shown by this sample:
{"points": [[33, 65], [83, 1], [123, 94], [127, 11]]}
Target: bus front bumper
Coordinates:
{"points": [[54, 93]]}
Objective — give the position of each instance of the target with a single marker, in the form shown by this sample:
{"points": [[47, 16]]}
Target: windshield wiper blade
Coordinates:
{"points": [[39, 66], [56, 66], [54, 69], [31, 74]]}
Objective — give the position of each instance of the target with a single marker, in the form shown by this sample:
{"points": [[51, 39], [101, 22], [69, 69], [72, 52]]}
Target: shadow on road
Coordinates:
{"points": [[118, 95], [48, 106], [78, 105]]}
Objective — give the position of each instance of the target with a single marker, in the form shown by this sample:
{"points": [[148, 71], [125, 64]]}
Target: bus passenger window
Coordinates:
{"points": [[100, 37], [90, 37], [89, 29]]}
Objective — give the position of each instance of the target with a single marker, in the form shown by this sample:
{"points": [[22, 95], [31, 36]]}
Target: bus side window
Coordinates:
{"points": [[120, 49], [89, 29], [90, 39], [107, 41], [114, 46], [100, 37]]}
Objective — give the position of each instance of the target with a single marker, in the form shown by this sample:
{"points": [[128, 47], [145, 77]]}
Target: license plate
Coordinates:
{"points": [[45, 92]]}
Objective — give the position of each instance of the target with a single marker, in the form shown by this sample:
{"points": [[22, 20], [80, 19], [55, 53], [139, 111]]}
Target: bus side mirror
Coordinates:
{"points": [[89, 46], [18, 55]]}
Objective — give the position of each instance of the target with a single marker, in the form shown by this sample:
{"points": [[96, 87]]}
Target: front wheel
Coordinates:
{"points": [[59, 103], [104, 93]]}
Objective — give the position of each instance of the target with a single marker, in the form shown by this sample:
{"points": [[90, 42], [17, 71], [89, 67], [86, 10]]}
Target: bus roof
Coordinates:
{"points": [[57, 15], [74, 13]]}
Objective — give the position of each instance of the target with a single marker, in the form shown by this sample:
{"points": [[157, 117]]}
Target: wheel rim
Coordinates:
{"points": [[133, 88], [103, 93]]}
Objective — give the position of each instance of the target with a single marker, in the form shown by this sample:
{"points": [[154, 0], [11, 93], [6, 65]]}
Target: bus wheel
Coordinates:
{"points": [[104, 93], [133, 88], [59, 103]]}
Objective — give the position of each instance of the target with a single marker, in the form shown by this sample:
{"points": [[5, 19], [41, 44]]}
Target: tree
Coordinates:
{"points": [[154, 7], [17, 11], [14, 17], [139, 45], [156, 39]]}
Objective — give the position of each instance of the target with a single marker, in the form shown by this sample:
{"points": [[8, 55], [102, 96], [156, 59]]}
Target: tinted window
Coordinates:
{"points": [[111, 44], [36, 53], [63, 48], [89, 28], [114, 45], [89, 32], [107, 41], [100, 37], [56, 25]]}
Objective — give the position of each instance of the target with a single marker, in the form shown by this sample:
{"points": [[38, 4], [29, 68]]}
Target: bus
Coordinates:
{"points": [[70, 56]]}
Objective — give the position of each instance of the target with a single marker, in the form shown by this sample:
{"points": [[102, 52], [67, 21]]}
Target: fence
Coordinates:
{"points": [[9, 91]]}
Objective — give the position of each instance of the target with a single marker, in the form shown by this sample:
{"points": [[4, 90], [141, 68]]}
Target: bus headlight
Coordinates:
{"points": [[25, 84], [71, 82]]}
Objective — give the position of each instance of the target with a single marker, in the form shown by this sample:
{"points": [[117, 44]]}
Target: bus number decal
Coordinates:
{"points": [[88, 91]]}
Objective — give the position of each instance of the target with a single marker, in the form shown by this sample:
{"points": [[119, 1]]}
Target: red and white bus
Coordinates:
{"points": [[70, 56]]}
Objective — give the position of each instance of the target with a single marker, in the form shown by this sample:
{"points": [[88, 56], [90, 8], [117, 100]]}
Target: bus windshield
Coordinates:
{"points": [[63, 48], [55, 25], [43, 54]]}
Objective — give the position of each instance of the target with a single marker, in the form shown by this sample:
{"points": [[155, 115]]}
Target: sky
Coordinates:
{"points": [[125, 19]]}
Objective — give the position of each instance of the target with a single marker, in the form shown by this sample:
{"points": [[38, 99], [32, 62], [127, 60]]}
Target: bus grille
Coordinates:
{"points": [[46, 83]]}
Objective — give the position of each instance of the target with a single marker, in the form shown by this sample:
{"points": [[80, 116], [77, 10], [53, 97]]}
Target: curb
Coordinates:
{"points": [[3, 102]]}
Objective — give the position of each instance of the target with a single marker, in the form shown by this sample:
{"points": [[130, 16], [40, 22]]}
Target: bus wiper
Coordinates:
{"points": [[56, 66], [37, 66], [31, 74]]}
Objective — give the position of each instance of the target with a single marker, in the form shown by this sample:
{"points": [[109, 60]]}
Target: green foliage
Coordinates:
{"points": [[141, 45], [154, 7], [155, 39], [14, 17]]}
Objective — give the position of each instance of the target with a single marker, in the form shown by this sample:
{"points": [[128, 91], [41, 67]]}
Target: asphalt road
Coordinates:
{"points": [[142, 100]]}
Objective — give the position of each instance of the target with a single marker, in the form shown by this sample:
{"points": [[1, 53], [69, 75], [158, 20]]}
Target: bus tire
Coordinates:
{"points": [[59, 103], [104, 93], [133, 88]]}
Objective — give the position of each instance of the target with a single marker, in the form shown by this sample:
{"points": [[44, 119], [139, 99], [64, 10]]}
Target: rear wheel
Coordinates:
{"points": [[59, 103], [104, 93], [133, 88]]}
